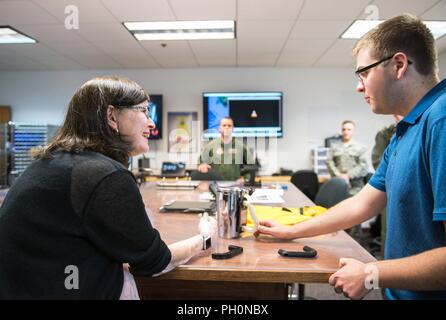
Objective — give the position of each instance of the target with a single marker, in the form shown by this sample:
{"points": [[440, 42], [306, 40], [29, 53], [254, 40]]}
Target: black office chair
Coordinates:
{"points": [[332, 192], [208, 176], [307, 182]]}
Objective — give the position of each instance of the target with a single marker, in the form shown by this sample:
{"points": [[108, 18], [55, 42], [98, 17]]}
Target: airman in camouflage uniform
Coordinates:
{"points": [[226, 159], [225, 154], [382, 140], [350, 159], [347, 159]]}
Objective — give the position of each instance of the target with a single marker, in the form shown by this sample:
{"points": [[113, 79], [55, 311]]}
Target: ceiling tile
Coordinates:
{"points": [[264, 29], [302, 52], [50, 33], [438, 12], [140, 10], [268, 10], [121, 48], [266, 45], [315, 29], [59, 62], [215, 52], [23, 63], [175, 54], [131, 60], [32, 50], [332, 10], [441, 44], [339, 55], [204, 9], [67, 48], [212, 62], [217, 47], [89, 10], [41, 54], [111, 33], [268, 34], [301, 60], [96, 61], [256, 60], [7, 52], [307, 45], [85, 54], [390, 8], [23, 12]]}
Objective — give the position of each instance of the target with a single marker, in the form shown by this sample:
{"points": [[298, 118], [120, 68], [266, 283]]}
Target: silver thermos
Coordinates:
{"points": [[229, 208], [230, 203]]}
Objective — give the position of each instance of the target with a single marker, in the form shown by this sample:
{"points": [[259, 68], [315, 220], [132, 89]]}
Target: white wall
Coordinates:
{"points": [[442, 65], [315, 101]]}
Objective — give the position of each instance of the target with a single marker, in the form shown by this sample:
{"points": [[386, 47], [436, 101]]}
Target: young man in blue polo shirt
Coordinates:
{"points": [[398, 74]]}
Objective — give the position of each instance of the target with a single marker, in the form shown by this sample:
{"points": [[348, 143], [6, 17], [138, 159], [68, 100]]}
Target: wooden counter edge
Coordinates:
{"points": [[236, 275]]}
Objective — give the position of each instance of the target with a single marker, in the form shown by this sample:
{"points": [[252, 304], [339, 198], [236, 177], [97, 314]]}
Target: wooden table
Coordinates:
{"points": [[258, 273]]}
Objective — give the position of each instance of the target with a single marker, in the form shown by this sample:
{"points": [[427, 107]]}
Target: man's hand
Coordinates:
{"points": [[274, 229], [350, 279], [204, 167]]}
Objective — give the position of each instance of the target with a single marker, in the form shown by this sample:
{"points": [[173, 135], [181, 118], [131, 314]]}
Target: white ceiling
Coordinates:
{"points": [[270, 33]]}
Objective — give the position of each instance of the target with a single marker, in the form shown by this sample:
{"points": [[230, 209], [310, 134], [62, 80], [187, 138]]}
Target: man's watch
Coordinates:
{"points": [[206, 242]]}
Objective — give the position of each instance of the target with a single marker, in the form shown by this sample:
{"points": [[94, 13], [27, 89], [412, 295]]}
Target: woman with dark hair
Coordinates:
{"points": [[75, 216]]}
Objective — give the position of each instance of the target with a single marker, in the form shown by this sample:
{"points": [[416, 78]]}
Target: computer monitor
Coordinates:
{"points": [[173, 169], [255, 114], [330, 141], [156, 114]]}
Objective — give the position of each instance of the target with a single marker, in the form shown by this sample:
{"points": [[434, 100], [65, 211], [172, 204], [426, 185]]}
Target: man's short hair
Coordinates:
{"points": [[405, 33], [348, 121], [228, 118]]}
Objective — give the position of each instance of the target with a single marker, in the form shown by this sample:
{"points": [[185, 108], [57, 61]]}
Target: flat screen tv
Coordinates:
{"points": [[156, 114], [255, 114]]}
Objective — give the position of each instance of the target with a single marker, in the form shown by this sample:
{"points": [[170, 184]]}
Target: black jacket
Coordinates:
{"points": [[75, 214]]}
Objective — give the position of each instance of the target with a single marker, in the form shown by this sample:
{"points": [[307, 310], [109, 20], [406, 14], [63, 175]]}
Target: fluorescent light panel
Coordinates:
{"points": [[182, 30], [9, 35], [361, 27]]}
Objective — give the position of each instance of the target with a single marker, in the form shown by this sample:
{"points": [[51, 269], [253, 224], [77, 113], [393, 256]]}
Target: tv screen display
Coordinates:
{"points": [[156, 114], [255, 114]]}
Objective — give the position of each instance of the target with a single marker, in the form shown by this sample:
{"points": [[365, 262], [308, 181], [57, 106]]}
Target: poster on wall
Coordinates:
{"points": [[182, 136]]}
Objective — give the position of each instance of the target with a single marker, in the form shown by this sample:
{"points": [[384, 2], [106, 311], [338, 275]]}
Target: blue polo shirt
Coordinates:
{"points": [[413, 175]]}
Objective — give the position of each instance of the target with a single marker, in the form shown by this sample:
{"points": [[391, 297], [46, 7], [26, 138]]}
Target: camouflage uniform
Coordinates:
{"points": [[226, 159], [382, 140], [349, 158]]}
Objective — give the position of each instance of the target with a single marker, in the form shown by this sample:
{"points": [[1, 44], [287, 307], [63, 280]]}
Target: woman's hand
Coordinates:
{"points": [[207, 226]]}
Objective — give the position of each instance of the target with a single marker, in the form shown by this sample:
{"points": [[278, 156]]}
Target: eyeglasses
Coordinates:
{"points": [[143, 107], [362, 73]]}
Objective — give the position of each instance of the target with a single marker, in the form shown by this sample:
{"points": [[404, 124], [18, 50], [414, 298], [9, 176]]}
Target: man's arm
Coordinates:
{"points": [[350, 212], [203, 161], [421, 272], [424, 271]]}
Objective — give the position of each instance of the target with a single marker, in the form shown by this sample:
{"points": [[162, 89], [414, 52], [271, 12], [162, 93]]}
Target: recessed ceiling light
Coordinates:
{"points": [[9, 35], [360, 27], [182, 30], [438, 28]]}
